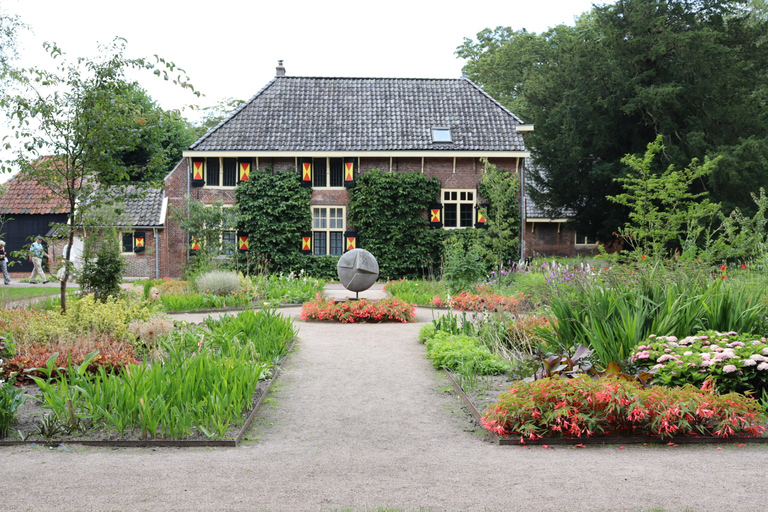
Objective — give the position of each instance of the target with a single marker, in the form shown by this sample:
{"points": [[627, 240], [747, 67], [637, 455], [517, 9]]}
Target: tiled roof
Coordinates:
{"points": [[24, 196], [142, 208], [365, 114], [534, 211]]}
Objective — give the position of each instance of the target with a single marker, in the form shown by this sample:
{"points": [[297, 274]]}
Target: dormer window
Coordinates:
{"points": [[440, 134]]}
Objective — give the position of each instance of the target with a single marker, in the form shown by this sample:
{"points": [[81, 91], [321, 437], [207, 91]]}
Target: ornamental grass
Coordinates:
{"points": [[358, 311], [583, 407]]}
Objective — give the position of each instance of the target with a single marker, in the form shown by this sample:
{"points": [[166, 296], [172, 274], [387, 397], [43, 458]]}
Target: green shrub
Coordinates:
{"points": [[109, 317], [218, 281], [455, 351], [102, 274]]}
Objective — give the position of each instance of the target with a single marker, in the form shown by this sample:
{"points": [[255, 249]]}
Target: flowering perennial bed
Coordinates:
{"points": [[466, 301], [734, 362], [583, 407], [358, 311]]}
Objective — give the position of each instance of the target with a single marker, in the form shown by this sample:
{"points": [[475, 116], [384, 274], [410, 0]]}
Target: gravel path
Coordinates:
{"points": [[360, 420]]}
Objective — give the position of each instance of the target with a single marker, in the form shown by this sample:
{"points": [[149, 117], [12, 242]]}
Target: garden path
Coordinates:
{"points": [[359, 419]]}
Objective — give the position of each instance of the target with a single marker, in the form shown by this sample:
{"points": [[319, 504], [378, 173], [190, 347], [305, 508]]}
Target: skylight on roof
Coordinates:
{"points": [[440, 134]]}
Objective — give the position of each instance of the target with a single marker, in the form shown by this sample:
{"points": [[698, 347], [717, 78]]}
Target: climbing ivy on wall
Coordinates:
{"points": [[388, 211], [274, 210]]}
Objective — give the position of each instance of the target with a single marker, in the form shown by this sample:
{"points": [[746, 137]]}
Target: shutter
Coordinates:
{"points": [[138, 241], [242, 242], [305, 167], [350, 240], [306, 243], [194, 247], [244, 169], [436, 215], [481, 219], [197, 172], [350, 165]]}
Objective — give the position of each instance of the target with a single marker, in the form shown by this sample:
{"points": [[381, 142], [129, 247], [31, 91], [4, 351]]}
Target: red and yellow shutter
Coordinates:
{"points": [[306, 243], [350, 240], [242, 242], [197, 172], [349, 172], [139, 243], [481, 212], [194, 246], [305, 167], [244, 170], [436, 215]]}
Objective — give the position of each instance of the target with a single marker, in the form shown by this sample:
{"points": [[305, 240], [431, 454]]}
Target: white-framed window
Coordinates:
{"points": [[458, 207], [327, 173], [328, 230], [441, 134], [129, 241], [583, 239]]}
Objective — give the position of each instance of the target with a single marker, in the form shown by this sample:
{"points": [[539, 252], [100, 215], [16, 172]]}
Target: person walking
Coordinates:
{"points": [[36, 253], [4, 263]]}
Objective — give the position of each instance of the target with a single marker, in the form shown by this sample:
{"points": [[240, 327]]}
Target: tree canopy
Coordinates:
{"points": [[84, 119], [693, 72]]}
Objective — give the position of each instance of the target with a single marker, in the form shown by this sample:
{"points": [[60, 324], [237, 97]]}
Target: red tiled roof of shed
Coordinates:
{"points": [[24, 196]]}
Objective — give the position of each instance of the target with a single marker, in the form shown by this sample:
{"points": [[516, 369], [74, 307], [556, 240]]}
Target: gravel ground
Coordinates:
{"points": [[359, 420]]}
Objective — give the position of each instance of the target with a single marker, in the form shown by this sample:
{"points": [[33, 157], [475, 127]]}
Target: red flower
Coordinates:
{"points": [[743, 265], [643, 256]]}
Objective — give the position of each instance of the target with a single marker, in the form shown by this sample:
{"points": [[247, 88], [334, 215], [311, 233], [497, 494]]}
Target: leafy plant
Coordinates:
{"points": [[455, 352], [734, 362], [11, 399], [102, 272], [218, 281], [582, 407], [358, 311]]}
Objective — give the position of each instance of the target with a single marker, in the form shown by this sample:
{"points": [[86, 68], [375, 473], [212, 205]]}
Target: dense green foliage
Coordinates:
{"points": [[103, 267], [274, 211], [692, 72], [388, 211]]}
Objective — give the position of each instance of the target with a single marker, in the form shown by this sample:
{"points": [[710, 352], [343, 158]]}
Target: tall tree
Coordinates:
{"points": [[691, 71], [80, 115]]}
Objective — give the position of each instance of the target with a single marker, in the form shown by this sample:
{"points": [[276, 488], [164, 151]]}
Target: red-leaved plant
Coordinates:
{"points": [[358, 311], [583, 407], [466, 301]]}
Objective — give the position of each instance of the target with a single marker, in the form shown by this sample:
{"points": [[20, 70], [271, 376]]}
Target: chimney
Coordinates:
{"points": [[280, 70]]}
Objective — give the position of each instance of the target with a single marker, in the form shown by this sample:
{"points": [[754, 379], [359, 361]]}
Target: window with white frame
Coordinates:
{"points": [[458, 208], [328, 230], [327, 172], [583, 239], [129, 241]]}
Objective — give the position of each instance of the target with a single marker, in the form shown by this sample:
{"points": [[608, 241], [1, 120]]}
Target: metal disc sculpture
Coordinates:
{"points": [[358, 270]]}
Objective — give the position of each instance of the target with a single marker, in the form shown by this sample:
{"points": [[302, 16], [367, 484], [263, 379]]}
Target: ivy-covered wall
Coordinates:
{"points": [[388, 210], [274, 210]]}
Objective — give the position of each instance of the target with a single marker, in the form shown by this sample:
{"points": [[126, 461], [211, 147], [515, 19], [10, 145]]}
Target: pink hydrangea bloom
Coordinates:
{"points": [[762, 366], [749, 362], [729, 368]]}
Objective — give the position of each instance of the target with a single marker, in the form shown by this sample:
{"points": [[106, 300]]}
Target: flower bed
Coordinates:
{"points": [[582, 407], [466, 301], [358, 311], [734, 362]]}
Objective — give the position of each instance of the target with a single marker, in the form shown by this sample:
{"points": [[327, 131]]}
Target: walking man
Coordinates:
{"points": [[36, 253]]}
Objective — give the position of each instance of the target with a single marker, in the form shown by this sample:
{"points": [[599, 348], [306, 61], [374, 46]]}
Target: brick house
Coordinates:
{"points": [[330, 130], [548, 234], [141, 220]]}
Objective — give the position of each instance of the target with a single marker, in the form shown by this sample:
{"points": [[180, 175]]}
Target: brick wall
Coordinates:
{"points": [[552, 239]]}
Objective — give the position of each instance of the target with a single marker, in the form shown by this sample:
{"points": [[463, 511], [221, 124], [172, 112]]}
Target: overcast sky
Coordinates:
{"points": [[231, 48]]}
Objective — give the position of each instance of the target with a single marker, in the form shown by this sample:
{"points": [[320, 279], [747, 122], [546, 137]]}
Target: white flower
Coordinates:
{"points": [[762, 366], [749, 362], [687, 353], [757, 357]]}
